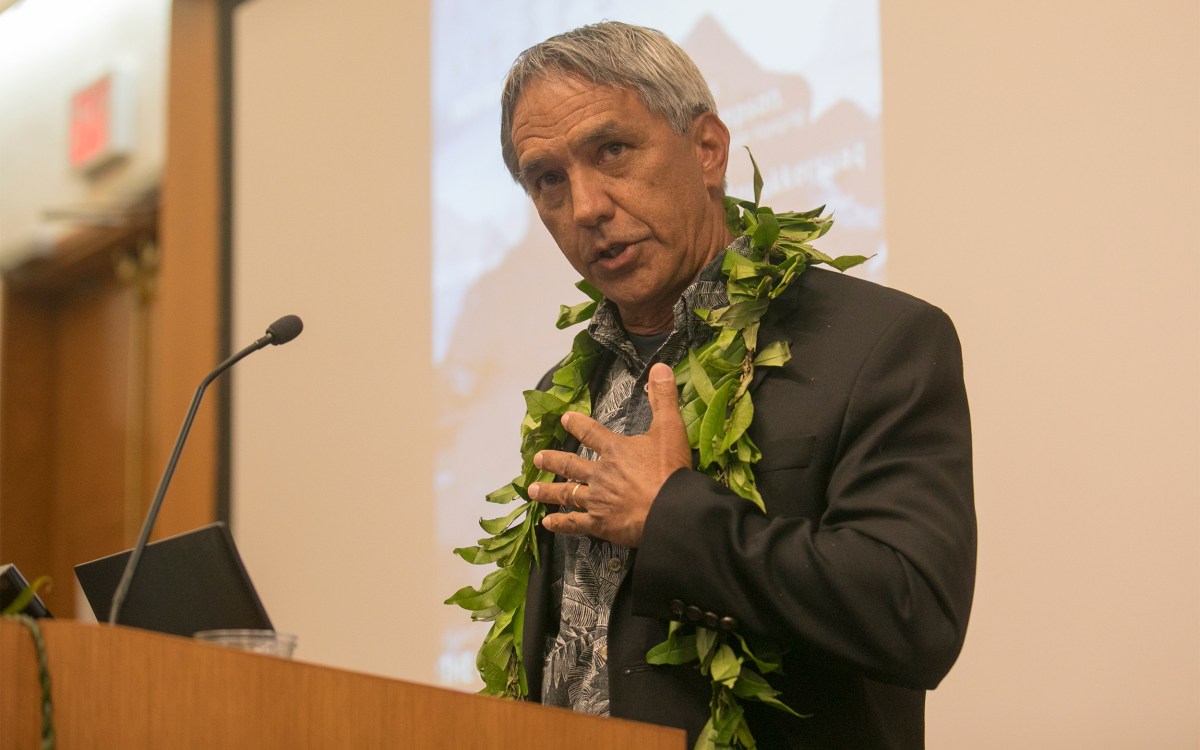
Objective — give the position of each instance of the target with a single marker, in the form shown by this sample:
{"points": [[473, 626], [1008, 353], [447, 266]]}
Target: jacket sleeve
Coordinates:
{"points": [[879, 577]]}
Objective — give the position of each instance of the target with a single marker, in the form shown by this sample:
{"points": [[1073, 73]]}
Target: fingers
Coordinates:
{"points": [[588, 431], [570, 466], [558, 493], [600, 518], [568, 523], [566, 465]]}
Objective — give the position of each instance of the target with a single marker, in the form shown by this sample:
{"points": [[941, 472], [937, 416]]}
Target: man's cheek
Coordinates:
{"points": [[552, 220]]}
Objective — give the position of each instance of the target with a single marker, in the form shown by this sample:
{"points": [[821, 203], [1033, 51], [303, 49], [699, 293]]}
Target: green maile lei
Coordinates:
{"points": [[717, 411], [15, 611]]}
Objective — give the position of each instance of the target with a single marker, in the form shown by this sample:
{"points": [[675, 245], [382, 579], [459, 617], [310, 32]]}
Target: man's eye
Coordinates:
{"points": [[547, 181], [612, 150]]}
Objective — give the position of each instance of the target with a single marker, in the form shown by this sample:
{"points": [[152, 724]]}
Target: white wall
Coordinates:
{"points": [[1043, 179], [1043, 185], [332, 478]]}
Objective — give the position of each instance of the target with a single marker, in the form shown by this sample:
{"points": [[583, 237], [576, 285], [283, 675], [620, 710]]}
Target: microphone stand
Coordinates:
{"points": [[135, 555]]}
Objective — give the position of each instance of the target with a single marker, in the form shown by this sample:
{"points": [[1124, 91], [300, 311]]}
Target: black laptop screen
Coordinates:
{"points": [[186, 583]]}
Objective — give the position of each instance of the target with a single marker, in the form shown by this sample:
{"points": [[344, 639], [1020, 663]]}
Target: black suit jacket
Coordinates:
{"points": [[864, 563]]}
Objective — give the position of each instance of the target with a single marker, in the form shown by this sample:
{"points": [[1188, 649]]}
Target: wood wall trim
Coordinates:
{"points": [[185, 324], [86, 251], [26, 463]]}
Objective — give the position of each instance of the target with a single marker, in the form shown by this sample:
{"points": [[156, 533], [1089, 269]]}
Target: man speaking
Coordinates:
{"points": [[752, 475]]}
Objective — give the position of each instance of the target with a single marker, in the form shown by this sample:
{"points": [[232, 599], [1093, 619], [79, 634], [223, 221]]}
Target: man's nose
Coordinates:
{"points": [[590, 199]]}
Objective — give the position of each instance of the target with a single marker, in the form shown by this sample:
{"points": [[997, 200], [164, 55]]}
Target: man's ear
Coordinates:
{"points": [[710, 139]]}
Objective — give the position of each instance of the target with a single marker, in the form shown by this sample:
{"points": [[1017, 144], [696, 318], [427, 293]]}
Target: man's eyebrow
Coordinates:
{"points": [[528, 169], [604, 131]]}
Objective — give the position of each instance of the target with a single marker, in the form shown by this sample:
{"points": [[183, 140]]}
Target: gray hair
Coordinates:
{"points": [[615, 54]]}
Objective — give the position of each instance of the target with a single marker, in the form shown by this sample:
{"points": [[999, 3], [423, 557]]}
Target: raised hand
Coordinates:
{"points": [[613, 494]]}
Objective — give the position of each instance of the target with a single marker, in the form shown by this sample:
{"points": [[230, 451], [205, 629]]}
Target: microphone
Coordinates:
{"points": [[280, 332]]}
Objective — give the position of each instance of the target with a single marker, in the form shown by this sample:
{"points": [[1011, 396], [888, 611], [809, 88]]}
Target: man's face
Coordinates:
{"points": [[634, 206]]}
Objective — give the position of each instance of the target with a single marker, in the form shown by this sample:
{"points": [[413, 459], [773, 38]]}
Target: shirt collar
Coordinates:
{"points": [[706, 292]]}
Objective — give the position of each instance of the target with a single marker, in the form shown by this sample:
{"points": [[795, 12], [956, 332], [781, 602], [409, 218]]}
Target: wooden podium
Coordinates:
{"points": [[116, 687]]}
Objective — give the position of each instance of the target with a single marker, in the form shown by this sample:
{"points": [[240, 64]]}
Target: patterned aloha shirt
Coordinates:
{"points": [[587, 571]]}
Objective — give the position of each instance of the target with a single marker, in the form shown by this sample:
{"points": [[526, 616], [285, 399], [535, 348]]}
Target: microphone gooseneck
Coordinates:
{"points": [[280, 332]]}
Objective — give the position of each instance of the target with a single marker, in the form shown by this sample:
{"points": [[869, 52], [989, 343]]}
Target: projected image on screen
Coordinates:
{"points": [[796, 81]]}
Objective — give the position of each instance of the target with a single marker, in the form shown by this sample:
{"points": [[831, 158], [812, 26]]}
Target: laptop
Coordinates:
{"points": [[12, 584], [184, 584]]}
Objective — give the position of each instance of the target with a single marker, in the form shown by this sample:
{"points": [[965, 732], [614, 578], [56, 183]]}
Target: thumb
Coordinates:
{"points": [[664, 396]]}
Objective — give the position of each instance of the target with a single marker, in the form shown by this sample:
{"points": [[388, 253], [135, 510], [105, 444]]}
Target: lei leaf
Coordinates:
{"points": [[717, 409]]}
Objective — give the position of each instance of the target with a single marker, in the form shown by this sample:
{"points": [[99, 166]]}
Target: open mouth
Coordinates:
{"points": [[612, 251]]}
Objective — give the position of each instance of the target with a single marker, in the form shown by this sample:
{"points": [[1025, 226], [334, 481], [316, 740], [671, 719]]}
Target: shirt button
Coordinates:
{"points": [[614, 564]]}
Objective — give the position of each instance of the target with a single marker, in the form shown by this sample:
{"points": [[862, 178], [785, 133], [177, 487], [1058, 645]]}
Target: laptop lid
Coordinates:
{"points": [[12, 584], [186, 583]]}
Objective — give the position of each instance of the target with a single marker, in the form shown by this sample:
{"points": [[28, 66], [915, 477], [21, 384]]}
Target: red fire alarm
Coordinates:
{"points": [[101, 128]]}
